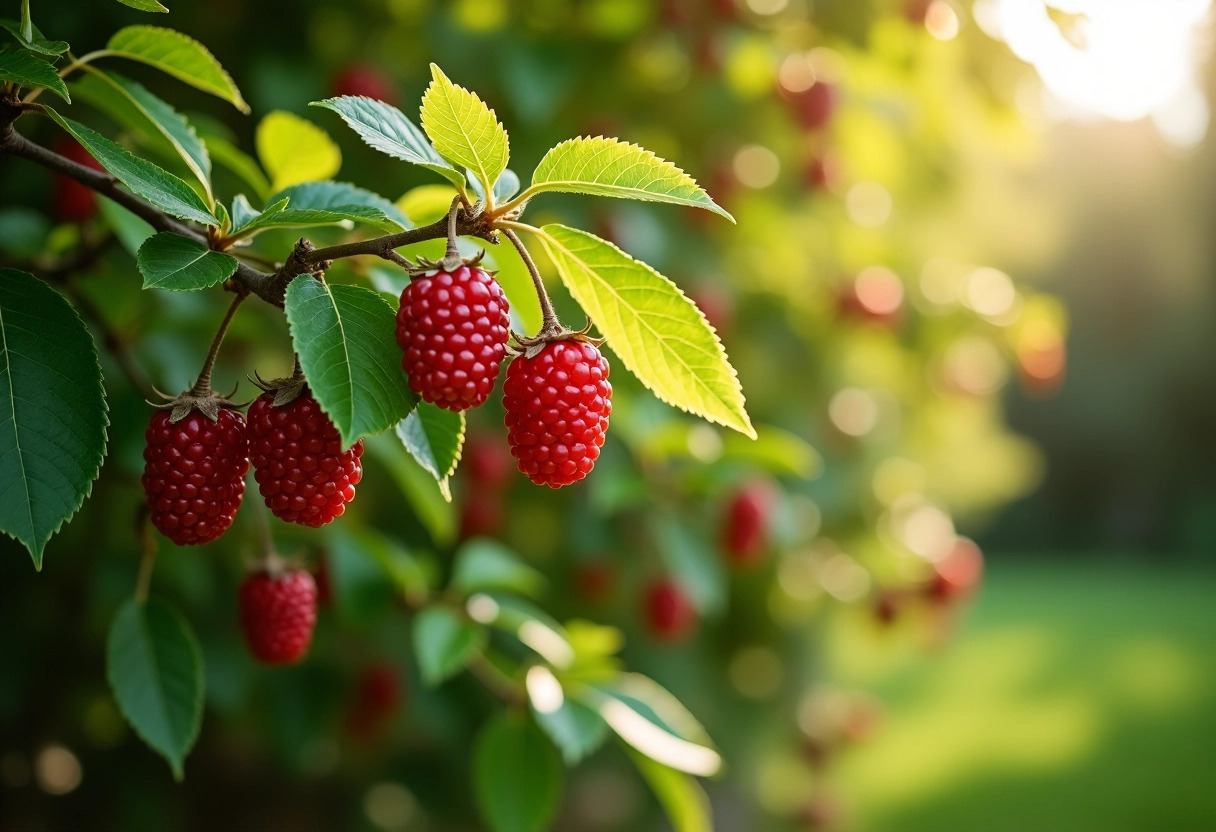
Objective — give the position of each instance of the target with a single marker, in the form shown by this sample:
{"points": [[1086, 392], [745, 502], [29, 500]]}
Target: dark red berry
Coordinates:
{"points": [[363, 79], [320, 574], [595, 581], [557, 404], [70, 200], [278, 613], [298, 460], [748, 519], [377, 697], [670, 615], [481, 515], [814, 106], [194, 474], [487, 461], [453, 327]]}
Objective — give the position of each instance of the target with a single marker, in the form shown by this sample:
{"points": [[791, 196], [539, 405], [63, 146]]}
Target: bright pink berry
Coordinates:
{"points": [[748, 517], [194, 474], [669, 613], [298, 460], [453, 327], [557, 406], [278, 613]]}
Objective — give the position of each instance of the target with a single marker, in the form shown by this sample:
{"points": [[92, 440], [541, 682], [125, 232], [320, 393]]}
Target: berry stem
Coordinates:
{"points": [[549, 323], [147, 546], [202, 385], [451, 257]]}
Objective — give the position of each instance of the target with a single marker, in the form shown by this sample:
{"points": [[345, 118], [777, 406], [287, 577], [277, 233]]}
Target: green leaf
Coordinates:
{"points": [[483, 565], [531, 625], [237, 161], [35, 42], [658, 333], [182, 264], [243, 213], [130, 230], [463, 129], [155, 670], [517, 777], [339, 196], [28, 70], [609, 167], [385, 128], [408, 573], [344, 337], [575, 729], [294, 150], [131, 105], [153, 183], [23, 232], [52, 411], [506, 187], [697, 566], [682, 798], [435, 514], [363, 591], [444, 642], [307, 218], [434, 436], [649, 718], [775, 450], [178, 55], [144, 5]]}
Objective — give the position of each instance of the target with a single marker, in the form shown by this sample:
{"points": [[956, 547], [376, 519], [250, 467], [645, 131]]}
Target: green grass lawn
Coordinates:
{"points": [[1075, 697]]}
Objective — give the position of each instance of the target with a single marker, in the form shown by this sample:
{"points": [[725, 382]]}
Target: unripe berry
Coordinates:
{"points": [[301, 469], [278, 613], [194, 474], [670, 616], [749, 514], [453, 327], [557, 405]]}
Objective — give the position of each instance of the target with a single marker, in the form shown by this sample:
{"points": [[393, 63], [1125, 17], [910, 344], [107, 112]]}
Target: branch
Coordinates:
{"points": [[468, 224]]}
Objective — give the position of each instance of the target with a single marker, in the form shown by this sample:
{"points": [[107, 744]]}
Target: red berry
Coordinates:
{"points": [[194, 474], [72, 201], [481, 515], [298, 460], [595, 581], [320, 574], [557, 405], [958, 573], [716, 304], [670, 615], [748, 518], [363, 79], [814, 106], [378, 694], [278, 614], [487, 461], [453, 327]]}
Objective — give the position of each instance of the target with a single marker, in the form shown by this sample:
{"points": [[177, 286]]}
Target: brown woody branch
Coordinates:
{"points": [[269, 286]]}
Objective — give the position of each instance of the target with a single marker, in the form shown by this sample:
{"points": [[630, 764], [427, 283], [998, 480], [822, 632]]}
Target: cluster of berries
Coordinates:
{"points": [[195, 461], [453, 327]]}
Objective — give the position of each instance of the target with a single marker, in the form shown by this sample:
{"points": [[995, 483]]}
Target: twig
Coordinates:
{"points": [[549, 323]]}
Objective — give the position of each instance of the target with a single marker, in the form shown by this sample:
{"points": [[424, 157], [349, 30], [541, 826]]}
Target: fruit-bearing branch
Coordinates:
{"points": [[269, 286]]}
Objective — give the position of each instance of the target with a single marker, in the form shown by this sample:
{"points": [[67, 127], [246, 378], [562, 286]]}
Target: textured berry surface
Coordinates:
{"points": [[748, 517], [194, 474], [670, 616], [298, 460], [453, 327], [278, 614], [557, 404]]}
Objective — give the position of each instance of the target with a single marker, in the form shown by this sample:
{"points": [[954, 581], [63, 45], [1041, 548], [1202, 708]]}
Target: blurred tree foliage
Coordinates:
{"points": [[867, 160]]}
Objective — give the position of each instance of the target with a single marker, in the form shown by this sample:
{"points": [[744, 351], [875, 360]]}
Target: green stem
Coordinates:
{"points": [[202, 385], [510, 205], [70, 68], [549, 323]]}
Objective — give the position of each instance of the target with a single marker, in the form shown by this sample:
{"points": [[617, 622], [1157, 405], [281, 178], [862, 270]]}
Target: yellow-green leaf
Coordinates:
{"points": [[609, 167], [178, 55], [294, 150], [658, 333], [464, 130]]}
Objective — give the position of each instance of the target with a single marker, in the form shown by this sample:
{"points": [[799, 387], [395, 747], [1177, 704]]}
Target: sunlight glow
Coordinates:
{"points": [[1122, 60]]}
